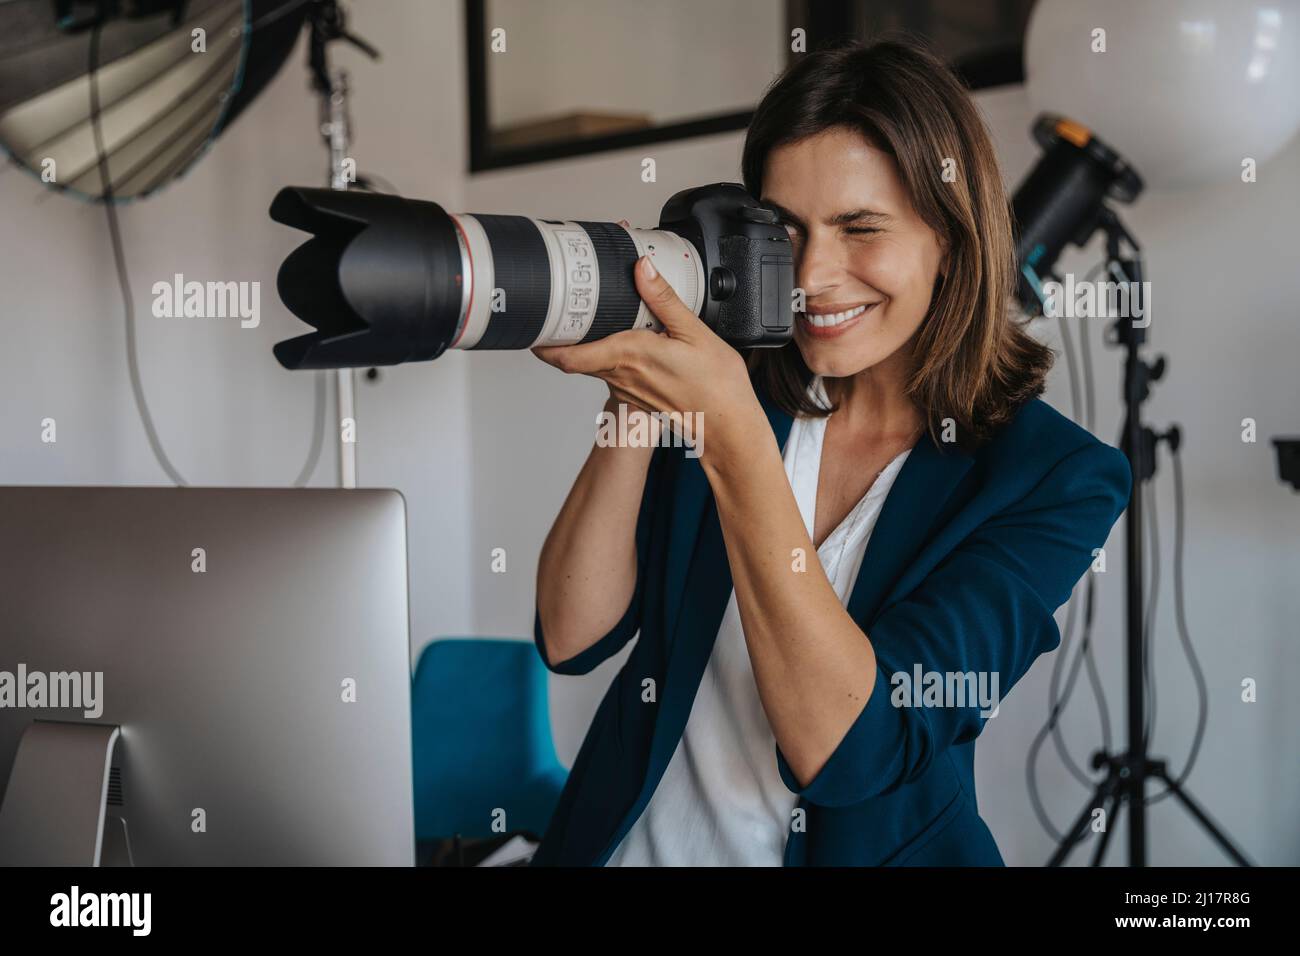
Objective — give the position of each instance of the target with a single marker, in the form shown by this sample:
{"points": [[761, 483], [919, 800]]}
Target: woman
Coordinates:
{"points": [[797, 697]]}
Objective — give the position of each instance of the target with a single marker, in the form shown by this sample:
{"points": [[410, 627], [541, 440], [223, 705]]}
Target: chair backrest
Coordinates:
{"points": [[481, 735]]}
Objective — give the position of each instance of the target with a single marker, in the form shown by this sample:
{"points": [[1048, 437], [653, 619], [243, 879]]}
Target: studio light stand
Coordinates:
{"points": [[1063, 202], [1127, 773], [327, 25]]}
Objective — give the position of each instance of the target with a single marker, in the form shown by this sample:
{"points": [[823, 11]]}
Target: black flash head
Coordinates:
{"points": [[1062, 199]]}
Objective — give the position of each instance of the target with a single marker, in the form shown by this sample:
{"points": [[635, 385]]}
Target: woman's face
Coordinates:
{"points": [[865, 260]]}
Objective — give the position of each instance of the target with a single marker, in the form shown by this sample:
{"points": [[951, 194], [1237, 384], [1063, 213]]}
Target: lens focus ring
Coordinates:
{"points": [[617, 307], [523, 275]]}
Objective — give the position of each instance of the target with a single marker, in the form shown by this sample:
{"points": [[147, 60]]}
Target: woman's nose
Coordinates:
{"points": [[817, 267]]}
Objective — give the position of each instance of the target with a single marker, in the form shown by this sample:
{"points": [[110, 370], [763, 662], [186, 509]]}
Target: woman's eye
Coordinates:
{"points": [[793, 231]]}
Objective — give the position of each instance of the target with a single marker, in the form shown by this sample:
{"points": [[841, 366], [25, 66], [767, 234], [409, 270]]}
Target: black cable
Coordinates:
{"points": [[1094, 678], [1052, 727], [1035, 801], [1067, 345], [1089, 390], [119, 261], [318, 432], [1055, 697], [1085, 349], [128, 304], [1203, 697]]}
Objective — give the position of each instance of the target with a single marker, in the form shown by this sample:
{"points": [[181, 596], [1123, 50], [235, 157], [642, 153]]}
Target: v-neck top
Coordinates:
{"points": [[721, 801]]}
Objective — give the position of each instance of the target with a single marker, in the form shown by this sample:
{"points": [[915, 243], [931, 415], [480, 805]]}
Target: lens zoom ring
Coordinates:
{"points": [[523, 272], [617, 306]]}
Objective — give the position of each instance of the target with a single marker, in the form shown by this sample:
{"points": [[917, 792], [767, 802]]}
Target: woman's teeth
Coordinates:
{"points": [[834, 318]]}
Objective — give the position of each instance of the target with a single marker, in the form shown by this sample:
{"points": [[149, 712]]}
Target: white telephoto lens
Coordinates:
{"points": [[531, 282]]}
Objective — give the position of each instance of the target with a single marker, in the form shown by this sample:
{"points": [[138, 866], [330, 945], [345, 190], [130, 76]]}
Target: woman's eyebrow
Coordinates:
{"points": [[839, 219]]}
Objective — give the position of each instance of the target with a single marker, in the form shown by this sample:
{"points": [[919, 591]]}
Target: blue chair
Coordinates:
{"points": [[481, 735]]}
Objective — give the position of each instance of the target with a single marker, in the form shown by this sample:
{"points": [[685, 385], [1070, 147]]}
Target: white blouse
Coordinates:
{"points": [[721, 801]]}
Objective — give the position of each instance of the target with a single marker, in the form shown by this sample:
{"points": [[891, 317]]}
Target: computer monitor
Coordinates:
{"points": [[250, 651]]}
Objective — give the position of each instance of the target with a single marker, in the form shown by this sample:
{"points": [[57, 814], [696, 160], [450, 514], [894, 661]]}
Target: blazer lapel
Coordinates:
{"points": [[698, 588], [912, 511], [689, 504]]}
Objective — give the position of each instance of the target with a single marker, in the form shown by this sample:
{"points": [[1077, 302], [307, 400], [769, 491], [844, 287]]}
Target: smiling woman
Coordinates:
{"points": [[819, 550], [890, 188]]}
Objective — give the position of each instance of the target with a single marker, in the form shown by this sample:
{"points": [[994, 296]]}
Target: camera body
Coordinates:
{"points": [[747, 260], [386, 280]]}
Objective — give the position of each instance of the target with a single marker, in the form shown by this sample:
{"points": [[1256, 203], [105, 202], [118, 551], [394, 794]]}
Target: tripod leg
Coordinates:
{"points": [[1112, 819], [1202, 819], [1079, 829]]}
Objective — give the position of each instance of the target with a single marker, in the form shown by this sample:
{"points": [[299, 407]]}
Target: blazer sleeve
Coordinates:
{"points": [[986, 608], [612, 642]]}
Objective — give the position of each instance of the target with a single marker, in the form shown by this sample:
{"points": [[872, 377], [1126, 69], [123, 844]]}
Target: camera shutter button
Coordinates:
{"points": [[722, 283]]}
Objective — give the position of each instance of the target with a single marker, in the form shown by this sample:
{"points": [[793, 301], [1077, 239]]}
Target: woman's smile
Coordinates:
{"points": [[826, 324]]}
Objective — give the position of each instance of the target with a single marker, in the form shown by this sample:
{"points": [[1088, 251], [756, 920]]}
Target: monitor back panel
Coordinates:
{"points": [[254, 648]]}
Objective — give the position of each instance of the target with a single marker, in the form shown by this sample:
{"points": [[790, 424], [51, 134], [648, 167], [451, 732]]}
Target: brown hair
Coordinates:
{"points": [[976, 364]]}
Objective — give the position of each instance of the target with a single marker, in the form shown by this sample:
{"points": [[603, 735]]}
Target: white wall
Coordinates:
{"points": [[484, 447]]}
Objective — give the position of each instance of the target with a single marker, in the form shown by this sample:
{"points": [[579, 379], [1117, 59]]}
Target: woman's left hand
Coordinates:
{"points": [[686, 369]]}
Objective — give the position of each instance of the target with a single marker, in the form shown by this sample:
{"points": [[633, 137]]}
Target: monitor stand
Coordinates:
{"points": [[54, 807]]}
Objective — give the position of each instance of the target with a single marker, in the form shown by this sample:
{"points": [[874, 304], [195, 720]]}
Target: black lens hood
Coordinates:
{"points": [[380, 280]]}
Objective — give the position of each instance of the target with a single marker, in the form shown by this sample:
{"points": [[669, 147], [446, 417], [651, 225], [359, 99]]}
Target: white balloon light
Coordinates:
{"points": [[1185, 90]]}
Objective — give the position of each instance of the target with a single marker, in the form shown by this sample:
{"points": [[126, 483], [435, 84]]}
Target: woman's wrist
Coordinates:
{"points": [[735, 440]]}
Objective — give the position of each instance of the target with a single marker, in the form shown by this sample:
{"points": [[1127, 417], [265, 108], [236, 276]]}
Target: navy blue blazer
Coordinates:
{"points": [[970, 556]]}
